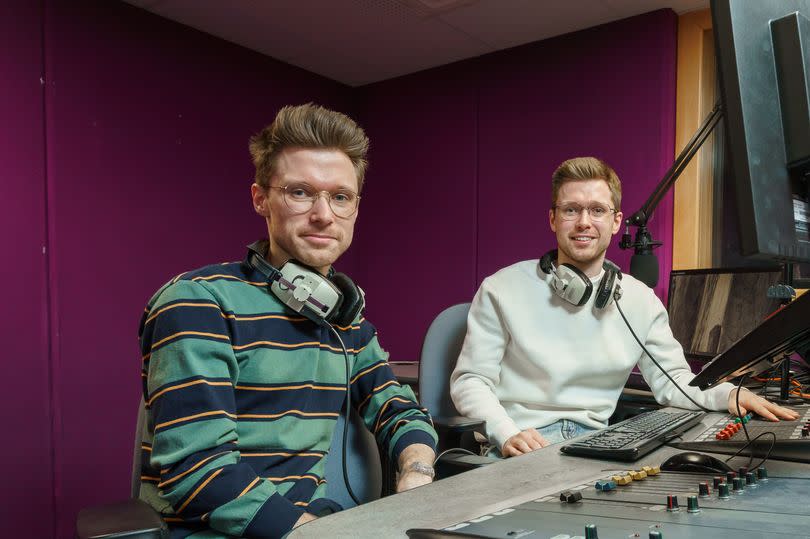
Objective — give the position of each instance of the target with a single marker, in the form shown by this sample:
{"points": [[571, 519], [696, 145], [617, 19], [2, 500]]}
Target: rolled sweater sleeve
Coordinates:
{"points": [[190, 371], [389, 410]]}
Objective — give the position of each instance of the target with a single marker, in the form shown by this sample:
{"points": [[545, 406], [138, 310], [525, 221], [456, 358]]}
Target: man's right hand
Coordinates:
{"points": [[523, 442]]}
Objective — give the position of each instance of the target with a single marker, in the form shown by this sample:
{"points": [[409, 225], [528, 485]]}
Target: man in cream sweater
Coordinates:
{"points": [[547, 353]]}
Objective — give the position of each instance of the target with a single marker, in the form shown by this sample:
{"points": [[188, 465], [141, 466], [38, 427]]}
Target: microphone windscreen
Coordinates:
{"points": [[645, 269]]}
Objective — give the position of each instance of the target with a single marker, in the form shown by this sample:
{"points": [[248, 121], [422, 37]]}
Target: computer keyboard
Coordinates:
{"points": [[635, 437]]}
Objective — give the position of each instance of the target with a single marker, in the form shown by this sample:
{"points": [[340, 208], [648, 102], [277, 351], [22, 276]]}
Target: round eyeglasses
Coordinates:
{"points": [[300, 197], [596, 211]]}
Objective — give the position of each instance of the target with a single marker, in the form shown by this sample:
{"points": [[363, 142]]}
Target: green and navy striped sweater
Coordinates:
{"points": [[242, 398]]}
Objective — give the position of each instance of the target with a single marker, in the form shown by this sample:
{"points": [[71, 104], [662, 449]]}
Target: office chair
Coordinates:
{"points": [[440, 350], [135, 519]]}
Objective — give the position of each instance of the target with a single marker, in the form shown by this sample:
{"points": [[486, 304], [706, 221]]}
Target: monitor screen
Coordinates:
{"points": [[711, 309], [783, 333]]}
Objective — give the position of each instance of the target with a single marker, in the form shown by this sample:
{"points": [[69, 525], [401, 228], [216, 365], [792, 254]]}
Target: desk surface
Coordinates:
{"points": [[484, 490], [407, 372]]}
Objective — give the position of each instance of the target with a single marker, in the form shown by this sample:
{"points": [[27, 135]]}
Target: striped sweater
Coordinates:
{"points": [[242, 398]]}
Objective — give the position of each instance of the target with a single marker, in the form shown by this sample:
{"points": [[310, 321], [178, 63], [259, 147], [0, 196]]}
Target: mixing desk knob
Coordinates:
{"points": [[638, 475], [750, 479], [762, 473], [651, 470], [742, 471], [692, 505], [655, 534], [570, 497], [703, 489], [730, 476], [605, 485], [590, 532], [738, 485], [672, 503], [722, 491], [622, 479], [717, 481]]}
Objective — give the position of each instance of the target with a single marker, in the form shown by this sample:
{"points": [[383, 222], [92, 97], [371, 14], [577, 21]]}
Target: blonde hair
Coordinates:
{"points": [[587, 168], [308, 126]]}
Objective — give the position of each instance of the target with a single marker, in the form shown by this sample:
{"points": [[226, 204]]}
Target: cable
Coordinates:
{"points": [[453, 450], [656, 363], [749, 441], [346, 414]]}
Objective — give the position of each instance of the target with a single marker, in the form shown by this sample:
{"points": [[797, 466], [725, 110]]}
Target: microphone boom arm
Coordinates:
{"points": [[681, 162], [643, 242]]}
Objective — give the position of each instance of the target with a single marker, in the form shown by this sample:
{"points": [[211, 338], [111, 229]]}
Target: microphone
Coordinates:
{"points": [[643, 263], [644, 267]]}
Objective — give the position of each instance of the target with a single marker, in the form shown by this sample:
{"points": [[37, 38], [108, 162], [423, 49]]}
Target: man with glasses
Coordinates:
{"points": [[242, 393], [544, 361]]}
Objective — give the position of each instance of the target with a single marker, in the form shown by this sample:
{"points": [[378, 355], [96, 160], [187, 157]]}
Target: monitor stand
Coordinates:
{"points": [[786, 293]]}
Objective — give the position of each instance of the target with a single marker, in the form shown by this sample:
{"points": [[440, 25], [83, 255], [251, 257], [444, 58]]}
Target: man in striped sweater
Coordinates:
{"points": [[242, 393]]}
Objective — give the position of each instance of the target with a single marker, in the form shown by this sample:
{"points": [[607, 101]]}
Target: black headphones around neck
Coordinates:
{"points": [[572, 285], [333, 299]]}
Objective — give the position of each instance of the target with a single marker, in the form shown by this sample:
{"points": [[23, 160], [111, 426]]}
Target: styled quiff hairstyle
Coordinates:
{"points": [[586, 168], [308, 126]]}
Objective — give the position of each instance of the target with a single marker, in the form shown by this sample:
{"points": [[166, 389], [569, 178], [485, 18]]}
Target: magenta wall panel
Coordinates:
{"points": [[27, 499], [417, 229], [147, 127]]}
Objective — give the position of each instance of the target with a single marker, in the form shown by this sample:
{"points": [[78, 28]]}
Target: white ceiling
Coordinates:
{"points": [[362, 41]]}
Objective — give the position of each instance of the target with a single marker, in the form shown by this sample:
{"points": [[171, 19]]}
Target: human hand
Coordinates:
{"points": [[756, 404], [303, 519], [523, 442]]}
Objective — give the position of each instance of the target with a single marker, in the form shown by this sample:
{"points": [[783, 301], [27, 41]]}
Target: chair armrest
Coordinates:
{"points": [[452, 463], [458, 424], [132, 519]]}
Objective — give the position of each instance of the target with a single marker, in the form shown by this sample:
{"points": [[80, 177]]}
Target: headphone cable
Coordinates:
{"points": [[346, 417], [656, 362]]}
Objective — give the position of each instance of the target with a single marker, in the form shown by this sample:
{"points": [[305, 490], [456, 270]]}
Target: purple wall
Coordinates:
{"points": [[132, 166], [418, 222], [25, 399], [145, 144], [462, 157]]}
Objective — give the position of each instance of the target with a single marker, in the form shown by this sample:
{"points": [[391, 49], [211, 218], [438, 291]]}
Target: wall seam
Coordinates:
{"points": [[50, 284]]}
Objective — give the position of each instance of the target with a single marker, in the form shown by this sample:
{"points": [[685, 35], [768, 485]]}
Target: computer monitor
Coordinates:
{"points": [[763, 55], [785, 332], [710, 309]]}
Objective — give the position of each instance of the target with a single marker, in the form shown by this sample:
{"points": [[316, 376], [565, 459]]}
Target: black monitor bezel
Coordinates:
{"points": [[754, 131]]}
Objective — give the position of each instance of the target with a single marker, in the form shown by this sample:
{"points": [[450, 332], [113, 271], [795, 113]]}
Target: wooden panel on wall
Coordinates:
{"points": [[696, 95]]}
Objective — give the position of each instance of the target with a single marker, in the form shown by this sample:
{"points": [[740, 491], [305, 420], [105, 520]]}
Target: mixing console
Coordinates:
{"points": [[727, 436], [650, 503]]}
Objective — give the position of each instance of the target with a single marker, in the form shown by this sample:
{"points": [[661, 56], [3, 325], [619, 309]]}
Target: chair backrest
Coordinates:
{"points": [[363, 464], [440, 351], [135, 487]]}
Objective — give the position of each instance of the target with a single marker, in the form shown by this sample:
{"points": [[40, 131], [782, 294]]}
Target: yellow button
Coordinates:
{"points": [[638, 475]]}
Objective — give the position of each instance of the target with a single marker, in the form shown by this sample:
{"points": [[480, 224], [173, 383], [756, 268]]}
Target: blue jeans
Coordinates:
{"points": [[559, 431]]}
